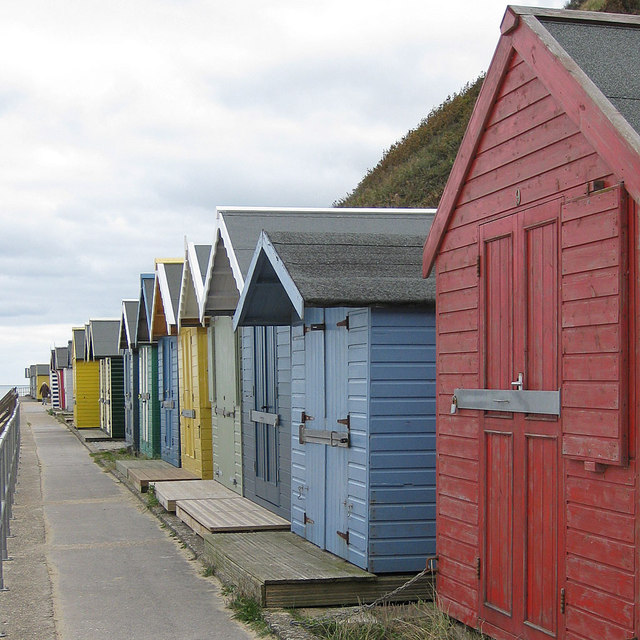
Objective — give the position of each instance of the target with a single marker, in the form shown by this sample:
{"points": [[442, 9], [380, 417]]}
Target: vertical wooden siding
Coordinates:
{"points": [[150, 446], [168, 391], [530, 145], [86, 385], [283, 366], [402, 442], [195, 433]]}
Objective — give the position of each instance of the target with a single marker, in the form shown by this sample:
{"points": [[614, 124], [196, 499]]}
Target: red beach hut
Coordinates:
{"points": [[535, 246]]}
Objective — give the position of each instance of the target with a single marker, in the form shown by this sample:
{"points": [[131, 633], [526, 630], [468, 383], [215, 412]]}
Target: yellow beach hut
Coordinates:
{"points": [[86, 382], [195, 406]]}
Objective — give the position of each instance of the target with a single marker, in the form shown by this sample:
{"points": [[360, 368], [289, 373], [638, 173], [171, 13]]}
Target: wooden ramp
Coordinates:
{"points": [[169, 492], [215, 515], [280, 569]]}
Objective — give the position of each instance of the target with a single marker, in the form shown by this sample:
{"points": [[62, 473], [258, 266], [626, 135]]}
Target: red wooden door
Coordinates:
{"points": [[518, 567]]}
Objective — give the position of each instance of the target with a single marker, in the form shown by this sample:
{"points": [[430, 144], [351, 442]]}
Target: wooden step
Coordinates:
{"points": [[211, 515], [169, 492]]}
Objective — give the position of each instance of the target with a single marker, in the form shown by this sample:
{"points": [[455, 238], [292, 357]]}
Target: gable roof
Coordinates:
{"points": [[166, 297], [60, 358], [291, 271], [143, 324], [589, 63], [238, 229], [128, 320], [196, 260], [104, 338], [78, 343]]}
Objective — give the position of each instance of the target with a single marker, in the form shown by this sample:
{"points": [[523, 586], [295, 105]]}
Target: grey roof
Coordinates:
{"points": [[147, 283], [202, 252], [42, 369], [128, 324], [174, 280], [609, 54], [356, 269], [79, 342], [245, 225], [105, 337], [61, 357]]}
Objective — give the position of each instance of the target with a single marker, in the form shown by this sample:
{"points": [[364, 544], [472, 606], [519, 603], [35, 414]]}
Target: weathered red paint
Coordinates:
{"points": [[534, 507]]}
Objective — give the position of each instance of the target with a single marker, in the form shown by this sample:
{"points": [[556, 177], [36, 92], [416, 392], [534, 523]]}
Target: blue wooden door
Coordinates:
{"points": [[266, 406], [326, 411], [169, 433]]}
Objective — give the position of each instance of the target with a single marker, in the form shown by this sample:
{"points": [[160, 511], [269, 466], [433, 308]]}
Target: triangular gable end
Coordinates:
{"points": [[269, 296], [224, 280], [166, 296], [612, 137], [143, 334], [192, 287]]}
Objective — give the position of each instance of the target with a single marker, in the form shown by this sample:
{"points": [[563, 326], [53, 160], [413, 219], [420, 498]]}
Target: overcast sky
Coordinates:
{"points": [[124, 123]]}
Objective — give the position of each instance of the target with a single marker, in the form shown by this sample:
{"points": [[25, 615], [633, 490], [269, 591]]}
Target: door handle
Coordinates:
{"points": [[519, 383]]}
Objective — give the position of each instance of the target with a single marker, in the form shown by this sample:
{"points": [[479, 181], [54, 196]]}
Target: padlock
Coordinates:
{"points": [[454, 405]]}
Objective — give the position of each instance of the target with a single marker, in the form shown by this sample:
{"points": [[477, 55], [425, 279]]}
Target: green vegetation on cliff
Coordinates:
{"points": [[413, 172]]}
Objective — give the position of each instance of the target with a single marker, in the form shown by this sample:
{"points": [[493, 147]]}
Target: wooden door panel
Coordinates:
{"points": [[541, 532], [541, 272], [498, 557]]}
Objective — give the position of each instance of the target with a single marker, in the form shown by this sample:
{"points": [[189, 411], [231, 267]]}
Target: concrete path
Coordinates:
{"points": [[90, 561]]}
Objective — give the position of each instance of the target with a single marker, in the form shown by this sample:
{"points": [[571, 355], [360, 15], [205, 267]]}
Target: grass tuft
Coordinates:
{"points": [[245, 609]]}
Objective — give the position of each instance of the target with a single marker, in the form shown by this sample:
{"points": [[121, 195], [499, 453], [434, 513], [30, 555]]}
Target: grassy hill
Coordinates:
{"points": [[413, 172]]}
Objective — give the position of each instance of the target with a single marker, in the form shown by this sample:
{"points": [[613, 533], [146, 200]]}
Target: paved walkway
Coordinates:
{"points": [[90, 562]]}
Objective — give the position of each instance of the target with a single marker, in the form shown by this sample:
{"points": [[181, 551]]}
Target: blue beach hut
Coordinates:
{"points": [[362, 388], [164, 330]]}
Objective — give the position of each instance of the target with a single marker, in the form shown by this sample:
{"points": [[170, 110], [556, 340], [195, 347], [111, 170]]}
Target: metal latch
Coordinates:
{"points": [[168, 404], [307, 520], [188, 413], [519, 383], [478, 567], [320, 326], [224, 413], [317, 436], [344, 323], [344, 535]]}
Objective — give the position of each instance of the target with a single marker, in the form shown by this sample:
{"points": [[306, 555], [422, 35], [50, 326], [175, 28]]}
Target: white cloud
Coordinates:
{"points": [[124, 123]]}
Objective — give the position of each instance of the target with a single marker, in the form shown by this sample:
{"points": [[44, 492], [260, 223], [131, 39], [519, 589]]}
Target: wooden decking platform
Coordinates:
{"points": [[280, 569], [223, 514], [123, 466], [95, 435], [142, 472], [168, 493]]}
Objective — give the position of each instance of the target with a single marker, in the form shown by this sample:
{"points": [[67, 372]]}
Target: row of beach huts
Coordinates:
{"points": [[484, 416]]}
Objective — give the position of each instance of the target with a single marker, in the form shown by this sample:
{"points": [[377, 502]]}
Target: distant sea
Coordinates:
{"points": [[4, 388]]}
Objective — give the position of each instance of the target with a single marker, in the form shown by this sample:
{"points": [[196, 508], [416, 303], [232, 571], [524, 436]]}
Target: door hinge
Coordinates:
{"points": [[320, 326], [478, 567], [255, 466], [305, 417], [344, 323], [478, 266], [344, 535], [563, 601], [307, 519]]}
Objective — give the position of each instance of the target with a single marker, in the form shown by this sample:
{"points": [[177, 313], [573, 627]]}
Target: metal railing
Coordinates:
{"points": [[9, 456]]}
